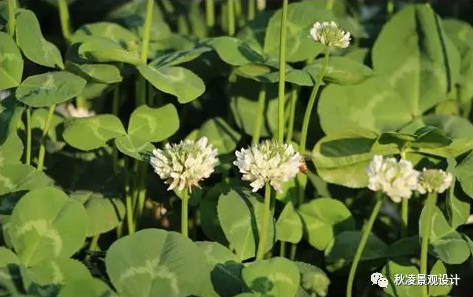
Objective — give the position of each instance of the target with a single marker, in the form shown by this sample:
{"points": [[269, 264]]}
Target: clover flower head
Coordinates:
{"points": [[79, 112], [185, 164], [434, 180], [268, 162], [329, 34], [397, 179], [260, 4]]}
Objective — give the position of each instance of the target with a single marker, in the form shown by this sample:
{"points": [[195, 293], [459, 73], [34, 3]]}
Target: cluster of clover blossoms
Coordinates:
{"points": [[398, 179], [184, 164]]}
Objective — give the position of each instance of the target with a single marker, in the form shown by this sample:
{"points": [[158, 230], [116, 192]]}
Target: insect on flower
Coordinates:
{"points": [[303, 165]]}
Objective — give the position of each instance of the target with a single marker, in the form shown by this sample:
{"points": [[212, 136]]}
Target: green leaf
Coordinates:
{"points": [[224, 268], [372, 104], [461, 33], [240, 213], [464, 174], [341, 251], [58, 271], [430, 137], [220, 134], [267, 74], [340, 70], [90, 287], [108, 30], [178, 57], [134, 147], [393, 269], [278, 277], [92, 132], [155, 263], [233, 51], [177, 81], [323, 219], [154, 124], [50, 88], [439, 269], [444, 242], [11, 63], [14, 276], [105, 213], [47, 224], [299, 45], [32, 43], [11, 146], [342, 157], [16, 180], [313, 279], [418, 58], [289, 225], [98, 49]]}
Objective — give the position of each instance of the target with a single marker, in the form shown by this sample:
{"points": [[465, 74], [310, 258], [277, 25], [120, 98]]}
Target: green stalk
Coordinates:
{"points": [[81, 102], [282, 249], [94, 243], [251, 10], [260, 114], [310, 105], [231, 17], [292, 112], [210, 13], [147, 32], [115, 108], [282, 71], [239, 13], [329, 5], [430, 203], [263, 234], [390, 7], [185, 213], [28, 136], [11, 17], [128, 201], [42, 147], [65, 23], [142, 191], [361, 245]]}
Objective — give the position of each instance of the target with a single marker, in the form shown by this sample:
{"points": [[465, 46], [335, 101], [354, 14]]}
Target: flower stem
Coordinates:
{"points": [[361, 245], [282, 71], [94, 243], [231, 17], [430, 203], [310, 105], [210, 13], [260, 114], [128, 202], [42, 147], [28, 136], [115, 108], [185, 213], [404, 217], [263, 234], [329, 5], [11, 17], [282, 247], [64, 16], [147, 31], [142, 191], [251, 10], [81, 102], [390, 7], [239, 13], [292, 112]]}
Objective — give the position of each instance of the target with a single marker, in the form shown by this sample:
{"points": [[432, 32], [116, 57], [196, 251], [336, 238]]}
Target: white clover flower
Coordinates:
{"points": [[260, 5], [79, 112], [395, 179], [329, 34], [434, 180], [268, 162], [185, 164]]}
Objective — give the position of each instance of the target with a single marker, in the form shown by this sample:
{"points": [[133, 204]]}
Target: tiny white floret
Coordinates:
{"points": [[268, 162], [79, 112], [397, 179], [185, 164], [329, 34]]}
